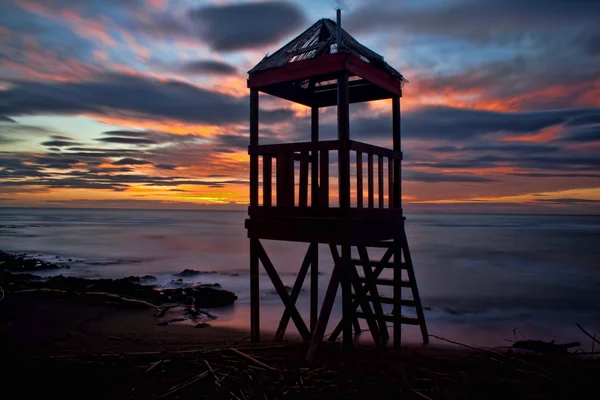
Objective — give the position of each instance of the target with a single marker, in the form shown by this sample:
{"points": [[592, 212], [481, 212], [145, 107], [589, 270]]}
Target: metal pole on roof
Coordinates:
{"points": [[338, 36]]}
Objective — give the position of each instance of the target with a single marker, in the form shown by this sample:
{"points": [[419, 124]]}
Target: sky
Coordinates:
{"points": [[144, 103]]}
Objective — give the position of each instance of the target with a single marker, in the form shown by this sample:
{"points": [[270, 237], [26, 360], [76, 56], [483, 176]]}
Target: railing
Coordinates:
{"points": [[301, 173]]}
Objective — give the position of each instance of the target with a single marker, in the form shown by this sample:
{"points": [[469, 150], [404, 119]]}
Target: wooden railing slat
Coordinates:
{"points": [[390, 183], [303, 191], [359, 180], [267, 183], [370, 179], [324, 183], [380, 179]]}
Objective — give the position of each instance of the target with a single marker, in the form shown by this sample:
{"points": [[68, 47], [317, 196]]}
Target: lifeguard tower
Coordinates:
{"points": [[323, 67]]}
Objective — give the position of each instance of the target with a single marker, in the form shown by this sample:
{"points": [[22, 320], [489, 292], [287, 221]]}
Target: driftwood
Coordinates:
{"points": [[588, 334], [254, 360], [540, 346]]}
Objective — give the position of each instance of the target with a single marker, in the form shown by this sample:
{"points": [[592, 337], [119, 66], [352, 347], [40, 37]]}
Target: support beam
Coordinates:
{"points": [[325, 313], [377, 307], [314, 159], [397, 147], [283, 294], [343, 120], [397, 295], [285, 319], [254, 292], [314, 288], [253, 142], [361, 294], [347, 311]]}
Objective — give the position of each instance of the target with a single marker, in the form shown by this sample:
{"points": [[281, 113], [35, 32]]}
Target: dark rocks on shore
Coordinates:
{"points": [[140, 279], [20, 262], [198, 296], [192, 272], [202, 325]]}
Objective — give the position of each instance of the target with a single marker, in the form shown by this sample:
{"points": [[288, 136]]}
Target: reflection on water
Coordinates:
{"points": [[481, 275]]}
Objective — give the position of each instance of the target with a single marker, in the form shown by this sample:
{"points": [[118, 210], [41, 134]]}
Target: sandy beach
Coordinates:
{"points": [[75, 346]]}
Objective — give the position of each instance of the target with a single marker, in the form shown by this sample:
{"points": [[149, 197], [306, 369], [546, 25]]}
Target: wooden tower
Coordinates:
{"points": [[322, 67]]}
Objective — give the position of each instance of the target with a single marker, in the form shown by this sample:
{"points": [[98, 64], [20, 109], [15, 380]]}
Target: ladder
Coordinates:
{"points": [[366, 292]]}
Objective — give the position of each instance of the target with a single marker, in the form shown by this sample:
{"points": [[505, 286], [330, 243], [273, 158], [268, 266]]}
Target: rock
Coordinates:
{"points": [[148, 278], [132, 279], [188, 272], [178, 281], [202, 325], [162, 323], [19, 262]]}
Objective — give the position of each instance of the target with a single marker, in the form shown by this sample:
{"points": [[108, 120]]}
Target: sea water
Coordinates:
{"points": [[484, 279]]}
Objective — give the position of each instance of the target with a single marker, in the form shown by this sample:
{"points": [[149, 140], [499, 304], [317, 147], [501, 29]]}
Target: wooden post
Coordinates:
{"points": [[397, 294], [254, 262], [314, 158], [343, 114], [314, 199], [254, 292], [253, 142], [397, 147], [324, 184], [267, 183]]}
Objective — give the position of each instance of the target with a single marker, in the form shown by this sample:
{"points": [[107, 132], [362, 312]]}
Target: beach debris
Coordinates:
{"points": [[197, 296], [540, 346]]}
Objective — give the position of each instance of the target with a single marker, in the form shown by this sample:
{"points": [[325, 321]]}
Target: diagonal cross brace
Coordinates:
{"points": [[285, 319], [361, 295], [283, 294], [364, 304]]}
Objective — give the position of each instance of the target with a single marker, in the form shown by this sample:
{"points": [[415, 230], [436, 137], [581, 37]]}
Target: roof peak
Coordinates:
{"points": [[320, 39]]}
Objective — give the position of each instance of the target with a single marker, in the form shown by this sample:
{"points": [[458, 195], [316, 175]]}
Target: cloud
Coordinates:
{"points": [[131, 161], [229, 27], [208, 67], [582, 134], [4, 118], [59, 143], [126, 140], [473, 19], [246, 26], [165, 166], [117, 94], [422, 176], [128, 133], [440, 122]]}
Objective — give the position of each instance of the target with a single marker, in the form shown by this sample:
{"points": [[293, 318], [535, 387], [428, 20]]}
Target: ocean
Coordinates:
{"points": [[485, 279]]}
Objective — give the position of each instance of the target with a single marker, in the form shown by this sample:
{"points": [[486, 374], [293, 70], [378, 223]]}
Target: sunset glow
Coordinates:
{"points": [[144, 104]]}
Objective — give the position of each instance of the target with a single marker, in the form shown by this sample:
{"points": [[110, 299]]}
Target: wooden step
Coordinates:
{"points": [[388, 300], [390, 318], [376, 264], [386, 282]]}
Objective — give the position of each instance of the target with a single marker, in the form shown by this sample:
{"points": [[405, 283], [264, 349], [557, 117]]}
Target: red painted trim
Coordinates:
{"points": [[326, 64], [373, 75]]}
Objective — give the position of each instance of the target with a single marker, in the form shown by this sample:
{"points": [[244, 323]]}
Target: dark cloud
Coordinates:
{"points": [[131, 161], [582, 134], [59, 143], [165, 166], [438, 122], [244, 26], [128, 133], [473, 19], [228, 27], [208, 67], [146, 97], [567, 201], [422, 176], [126, 140]]}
